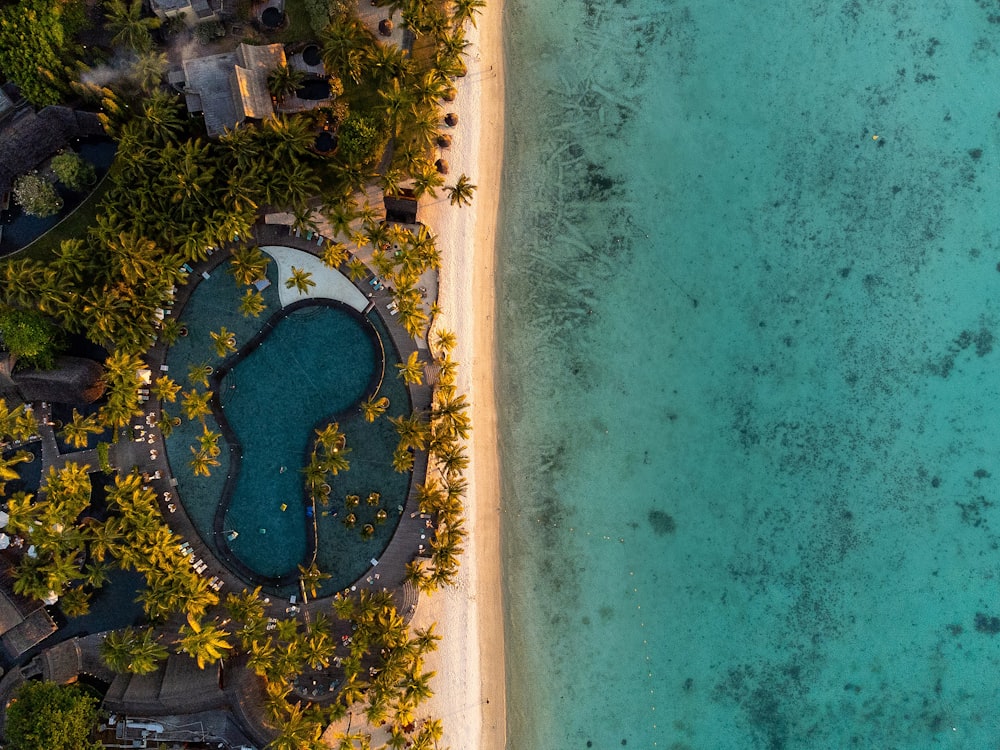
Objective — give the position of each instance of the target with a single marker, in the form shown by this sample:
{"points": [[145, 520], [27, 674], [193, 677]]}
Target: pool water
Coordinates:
{"points": [[314, 89], [315, 363]]}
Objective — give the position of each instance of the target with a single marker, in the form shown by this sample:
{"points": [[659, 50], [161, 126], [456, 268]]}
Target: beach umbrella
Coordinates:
{"points": [[451, 119], [32, 552], [450, 93]]}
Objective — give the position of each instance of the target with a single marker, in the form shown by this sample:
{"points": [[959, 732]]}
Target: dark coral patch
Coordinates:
{"points": [[662, 523]]}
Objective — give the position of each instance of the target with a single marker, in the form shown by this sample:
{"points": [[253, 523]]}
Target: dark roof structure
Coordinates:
{"points": [[401, 209], [74, 381], [61, 663], [34, 629], [28, 138]]}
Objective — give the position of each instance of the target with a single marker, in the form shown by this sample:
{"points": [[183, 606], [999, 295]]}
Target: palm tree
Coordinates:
{"points": [[402, 460], [77, 432], [340, 215], [208, 441], [248, 264], [7, 471], [130, 28], [396, 99], [252, 304], [205, 642], [312, 577], [300, 280], [412, 430], [298, 730], [195, 405], [148, 70], [198, 374], [445, 340], [411, 371], [356, 269], [334, 254], [460, 194], [372, 408], [128, 651], [202, 463], [466, 10], [165, 389], [224, 341], [284, 80], [426, 179]]}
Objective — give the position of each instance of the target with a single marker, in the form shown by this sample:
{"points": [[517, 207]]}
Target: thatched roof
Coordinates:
{"points": [[61, 663], [35, 628], [10, 615], [74, 381], [400, 209], [184, 683], [28, 138]]}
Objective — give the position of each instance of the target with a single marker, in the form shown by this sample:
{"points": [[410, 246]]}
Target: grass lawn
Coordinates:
{"points": [[298, 28]]}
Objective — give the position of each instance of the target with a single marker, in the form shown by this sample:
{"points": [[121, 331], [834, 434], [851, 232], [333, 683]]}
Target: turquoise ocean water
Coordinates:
{"points": [[749, 374]]}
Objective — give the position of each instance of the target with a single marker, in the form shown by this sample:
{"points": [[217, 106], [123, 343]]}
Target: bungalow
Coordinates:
{"points": [[231, 87]]}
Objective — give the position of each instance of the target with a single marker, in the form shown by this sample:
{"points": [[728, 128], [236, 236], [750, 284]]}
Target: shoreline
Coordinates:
{"points": [[470, 682]]}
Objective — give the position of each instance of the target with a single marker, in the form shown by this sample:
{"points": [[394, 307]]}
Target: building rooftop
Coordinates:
{"points": [[230, 87]]}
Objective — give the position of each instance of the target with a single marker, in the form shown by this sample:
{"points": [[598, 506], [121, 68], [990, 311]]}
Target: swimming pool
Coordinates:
{"points": [[312, 361]]}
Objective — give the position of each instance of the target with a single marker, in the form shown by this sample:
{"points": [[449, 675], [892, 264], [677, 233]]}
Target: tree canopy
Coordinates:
{"points": [[29, 336], [37, 50], [52, 716]]}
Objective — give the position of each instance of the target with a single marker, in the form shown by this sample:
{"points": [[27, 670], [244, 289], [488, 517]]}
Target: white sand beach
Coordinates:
{"points": [[469, 688]]}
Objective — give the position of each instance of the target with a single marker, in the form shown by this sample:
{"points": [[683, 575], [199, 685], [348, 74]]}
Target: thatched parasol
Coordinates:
{"points": [[451, 119], [443, 140], [449, 94], [442, 166], [385, 27]]}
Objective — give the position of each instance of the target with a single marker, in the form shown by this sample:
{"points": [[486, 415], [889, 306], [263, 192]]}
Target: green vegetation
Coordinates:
{"points": [[51, 716], [37, 196], [74, 171], [37, 47], [29, 336], [130, 29]]}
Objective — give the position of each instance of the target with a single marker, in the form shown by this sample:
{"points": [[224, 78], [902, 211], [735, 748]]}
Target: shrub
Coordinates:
{"points": [[209, 31], [74, 171], [359, 139], [30, 336], [37, 196]]}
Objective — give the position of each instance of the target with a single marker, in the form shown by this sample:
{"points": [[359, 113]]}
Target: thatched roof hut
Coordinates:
{"points": [[28, 138], [400, 209], [61, 663], [74, 381], [451, 119], [34, 629]]}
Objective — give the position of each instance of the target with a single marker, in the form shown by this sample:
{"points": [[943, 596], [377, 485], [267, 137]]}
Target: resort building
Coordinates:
{"points": [[231, 88], [192, 11]]}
